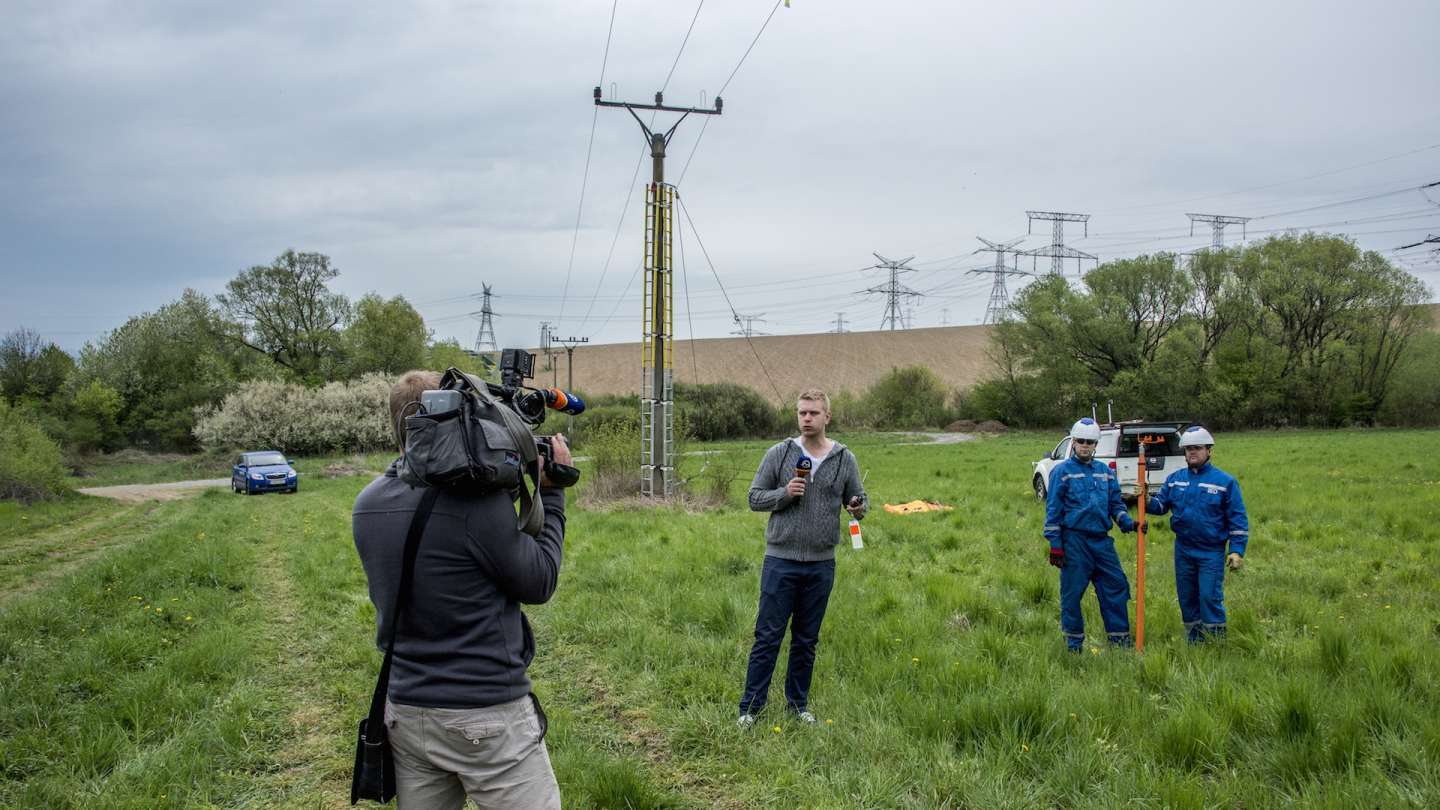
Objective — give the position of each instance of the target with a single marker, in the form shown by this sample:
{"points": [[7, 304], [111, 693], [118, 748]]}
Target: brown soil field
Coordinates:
{"points": [[835, 362]]}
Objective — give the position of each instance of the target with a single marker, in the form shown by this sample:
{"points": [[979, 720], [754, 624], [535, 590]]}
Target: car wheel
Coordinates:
{"points": [[1039, 484]]}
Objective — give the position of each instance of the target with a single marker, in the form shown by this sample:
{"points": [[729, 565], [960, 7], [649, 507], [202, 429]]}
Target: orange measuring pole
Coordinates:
{"points": [[1140, 544]]}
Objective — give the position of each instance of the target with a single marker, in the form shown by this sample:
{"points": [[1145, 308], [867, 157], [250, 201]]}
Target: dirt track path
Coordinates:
{"points": [[174, 490], [135, 493]]}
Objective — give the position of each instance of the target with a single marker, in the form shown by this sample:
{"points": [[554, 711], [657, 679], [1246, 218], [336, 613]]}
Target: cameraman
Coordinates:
{"points": [[461, 717]]}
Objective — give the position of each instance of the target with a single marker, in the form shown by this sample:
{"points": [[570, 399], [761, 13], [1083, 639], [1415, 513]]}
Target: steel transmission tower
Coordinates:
{"points": [[485, 338], [893, 290], [1056, 250], [1217, 227], [999, 307], [747, 324], [839, 324], [657, 392]]}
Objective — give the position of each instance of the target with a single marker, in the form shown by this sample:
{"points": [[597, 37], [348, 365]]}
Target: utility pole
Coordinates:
{"points": [[945, 316], [1217, 227], [1056, 250], [747, 324], [570, 343], [839, 324], [999, 307], [657, 394], [893, 290], [485, 338]]}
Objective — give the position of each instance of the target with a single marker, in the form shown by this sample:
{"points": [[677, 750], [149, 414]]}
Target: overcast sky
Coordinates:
{"points": [[146, 147]]}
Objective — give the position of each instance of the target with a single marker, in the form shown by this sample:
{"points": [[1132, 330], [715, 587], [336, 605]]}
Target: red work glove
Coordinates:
{"points": [[1057, 557]]}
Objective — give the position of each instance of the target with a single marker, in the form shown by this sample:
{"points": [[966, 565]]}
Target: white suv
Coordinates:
{"points": [[1120, 448]]}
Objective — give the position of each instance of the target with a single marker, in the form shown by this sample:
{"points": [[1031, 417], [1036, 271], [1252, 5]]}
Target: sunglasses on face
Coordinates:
{"points": [[1084, 443]]}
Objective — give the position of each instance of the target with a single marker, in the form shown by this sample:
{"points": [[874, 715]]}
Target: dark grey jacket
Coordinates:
{"points": [[805, 529], [463, 642]]}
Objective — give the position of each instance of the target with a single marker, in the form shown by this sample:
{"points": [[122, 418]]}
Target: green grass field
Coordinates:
{"points": [[217, 651]]}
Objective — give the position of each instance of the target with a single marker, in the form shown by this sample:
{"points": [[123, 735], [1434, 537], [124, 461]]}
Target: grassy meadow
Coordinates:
{"points": [[217, 651]]}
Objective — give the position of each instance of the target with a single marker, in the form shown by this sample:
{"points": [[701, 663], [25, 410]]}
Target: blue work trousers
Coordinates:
{"points": [[793, 593], [1200, 584], [1091, 558]]}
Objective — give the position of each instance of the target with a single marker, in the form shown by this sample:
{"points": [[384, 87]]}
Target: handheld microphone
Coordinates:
{"points": [[803, 465], [563, 401]]}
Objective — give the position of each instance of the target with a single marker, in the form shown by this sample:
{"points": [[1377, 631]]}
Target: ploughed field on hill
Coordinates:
{"points": [[218, 650]]}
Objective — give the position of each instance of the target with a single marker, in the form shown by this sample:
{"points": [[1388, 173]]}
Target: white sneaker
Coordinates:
{"points": [[805, 717], [745, 721]]}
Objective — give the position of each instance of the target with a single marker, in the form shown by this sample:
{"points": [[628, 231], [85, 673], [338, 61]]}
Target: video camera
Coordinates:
{"points": [[517, 366], [472, 434]]}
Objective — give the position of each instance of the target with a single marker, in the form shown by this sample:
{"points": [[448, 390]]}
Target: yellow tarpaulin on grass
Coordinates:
{"points": [[916, 506]]}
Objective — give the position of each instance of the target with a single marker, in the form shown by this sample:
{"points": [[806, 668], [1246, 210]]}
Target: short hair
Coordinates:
{"points": [[815, 395], [405, 391]]}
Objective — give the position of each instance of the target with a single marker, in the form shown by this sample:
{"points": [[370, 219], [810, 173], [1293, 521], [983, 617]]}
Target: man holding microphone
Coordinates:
{"points": [[802, 482]]}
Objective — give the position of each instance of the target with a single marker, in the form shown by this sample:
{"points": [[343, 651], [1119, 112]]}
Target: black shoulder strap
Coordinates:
{"points": [[407, 576]]}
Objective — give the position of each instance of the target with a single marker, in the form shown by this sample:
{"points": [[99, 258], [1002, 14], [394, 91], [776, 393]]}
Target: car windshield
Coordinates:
{"points": [[1162, 440], [263, 459]]}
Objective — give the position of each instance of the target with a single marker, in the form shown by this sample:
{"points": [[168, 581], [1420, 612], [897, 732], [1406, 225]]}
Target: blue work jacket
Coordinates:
{"points": [[1083, 498], [1207, 510]]}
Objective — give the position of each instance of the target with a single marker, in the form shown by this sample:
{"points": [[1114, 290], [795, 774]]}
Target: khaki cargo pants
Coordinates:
{"points": [[495, 755]]}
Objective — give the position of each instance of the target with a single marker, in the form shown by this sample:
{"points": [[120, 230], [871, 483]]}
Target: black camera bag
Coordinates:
{"points": [[481, 446]]}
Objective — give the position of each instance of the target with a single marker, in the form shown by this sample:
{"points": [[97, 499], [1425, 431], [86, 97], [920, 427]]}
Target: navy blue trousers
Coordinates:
{"points": [[793, 593], [1200, 584], [1091, 558]]}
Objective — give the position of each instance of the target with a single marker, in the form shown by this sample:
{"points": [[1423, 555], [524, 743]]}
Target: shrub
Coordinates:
{"points": [[725, 411], [344, 416], [94, 419], [31, 467], [906, 399], [613, 450]]}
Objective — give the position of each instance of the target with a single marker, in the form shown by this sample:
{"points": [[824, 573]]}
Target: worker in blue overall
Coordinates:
{"points": [[1211, 532], [1084, 498]]}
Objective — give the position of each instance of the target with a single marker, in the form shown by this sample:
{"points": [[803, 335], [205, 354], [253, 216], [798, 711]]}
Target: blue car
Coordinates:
{"points": [[264, 471]]}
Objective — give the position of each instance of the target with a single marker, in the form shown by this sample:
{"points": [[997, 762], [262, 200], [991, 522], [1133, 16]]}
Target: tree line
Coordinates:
{"points": [[1297, 330], [142, 384]]}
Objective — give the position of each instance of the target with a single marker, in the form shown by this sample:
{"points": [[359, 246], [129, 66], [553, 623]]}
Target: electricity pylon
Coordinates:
{"points": [[893, 290], [657, 393], [485, 338], [1056, 250], [999, 307], [747, 324], [1217, 227]]}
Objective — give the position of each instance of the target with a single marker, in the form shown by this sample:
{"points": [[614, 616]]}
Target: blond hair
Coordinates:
{"points": [[405, 391], [815, 395]]}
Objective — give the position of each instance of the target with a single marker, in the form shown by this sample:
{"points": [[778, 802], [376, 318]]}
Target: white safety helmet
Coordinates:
{"points": [[1196, 436], [1086, 429]]}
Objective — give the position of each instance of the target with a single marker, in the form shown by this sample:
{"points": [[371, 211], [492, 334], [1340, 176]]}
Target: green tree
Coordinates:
{"points": [[286, 311], [32, 367], [447, 353], [385, 336], [1295, 330], [164, 364], [93, 421]]}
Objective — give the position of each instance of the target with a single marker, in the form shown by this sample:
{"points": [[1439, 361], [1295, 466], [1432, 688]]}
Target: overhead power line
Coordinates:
{"points": [[701, 242], [589, 150], [704, 125], [1276, 184]]}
